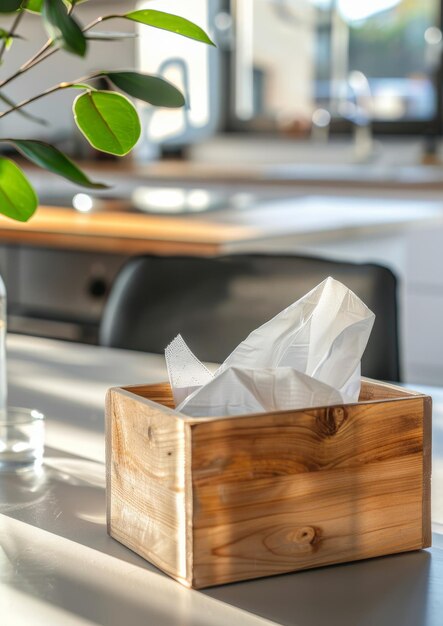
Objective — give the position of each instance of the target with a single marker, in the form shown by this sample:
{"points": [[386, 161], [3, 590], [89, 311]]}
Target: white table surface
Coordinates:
{"points": [[58, 567]]}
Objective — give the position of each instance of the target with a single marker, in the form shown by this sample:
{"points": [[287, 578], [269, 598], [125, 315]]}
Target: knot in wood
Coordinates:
{"points": [[331, 420], [303, 536], [287, 541]]}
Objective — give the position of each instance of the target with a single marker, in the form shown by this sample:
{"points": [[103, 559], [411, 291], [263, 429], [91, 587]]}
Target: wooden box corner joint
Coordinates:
{"points": [[218, 500]]}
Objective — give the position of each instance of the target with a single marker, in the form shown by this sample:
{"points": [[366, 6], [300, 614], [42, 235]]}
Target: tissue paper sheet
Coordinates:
{"points": [[186, 372], [237, 391], [307, 355]]}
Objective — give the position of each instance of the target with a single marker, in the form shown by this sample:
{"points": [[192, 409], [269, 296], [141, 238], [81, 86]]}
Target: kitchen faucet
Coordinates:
{"points": [[350, 93], [359, 113], [355, 109]]}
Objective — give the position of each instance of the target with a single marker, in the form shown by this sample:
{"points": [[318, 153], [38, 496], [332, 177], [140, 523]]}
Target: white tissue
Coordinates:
{"points": [[186, 372], [307, 355]]}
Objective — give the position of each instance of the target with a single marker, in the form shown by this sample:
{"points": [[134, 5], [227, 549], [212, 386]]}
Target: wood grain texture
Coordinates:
{"points": [[147, 482], [160, 393], [427, 471], [288, 491], [269, 493], [305, 521]]}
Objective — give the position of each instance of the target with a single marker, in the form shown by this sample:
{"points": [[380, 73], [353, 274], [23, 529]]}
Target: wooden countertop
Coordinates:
{"points": [[274, 222], [126, 233]]}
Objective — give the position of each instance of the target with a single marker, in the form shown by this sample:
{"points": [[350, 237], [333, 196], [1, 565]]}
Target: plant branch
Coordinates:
{"points": [[36, 57], [40, 55], [18, 106], [49, 91], [33, 118], [14, 27]]}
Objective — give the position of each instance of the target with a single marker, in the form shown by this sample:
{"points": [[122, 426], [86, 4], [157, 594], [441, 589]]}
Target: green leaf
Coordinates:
{"points": [[73, 3], [173, 23], [62, 26], [17, 196], [9, 6], [151, 89], [35, 6], [8, 37], [82, 86], [5, 34], [108, 120], [46, 156]]}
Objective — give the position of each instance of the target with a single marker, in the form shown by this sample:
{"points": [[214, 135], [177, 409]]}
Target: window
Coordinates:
{"points": [[351, 59]]}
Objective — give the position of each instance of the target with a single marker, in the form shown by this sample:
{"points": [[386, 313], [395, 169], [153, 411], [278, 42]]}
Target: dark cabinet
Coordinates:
{"points": [[57, 293]]}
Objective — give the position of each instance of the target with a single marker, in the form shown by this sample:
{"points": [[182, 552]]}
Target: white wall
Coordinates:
{"points": [[285, 51], [62, 66]]}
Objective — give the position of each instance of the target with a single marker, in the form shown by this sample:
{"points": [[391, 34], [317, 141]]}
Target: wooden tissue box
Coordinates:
{"points": [[217, 500]]}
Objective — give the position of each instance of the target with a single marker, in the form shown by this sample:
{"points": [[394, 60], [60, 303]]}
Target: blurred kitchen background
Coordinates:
{"points": [[313, 128]]}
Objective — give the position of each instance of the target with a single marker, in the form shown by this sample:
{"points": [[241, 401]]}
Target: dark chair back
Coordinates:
{"points": [[216, 302]]}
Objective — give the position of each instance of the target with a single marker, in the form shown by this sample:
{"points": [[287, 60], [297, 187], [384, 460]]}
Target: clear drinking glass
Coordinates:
{"points": [[22, 434], [22, 437]]}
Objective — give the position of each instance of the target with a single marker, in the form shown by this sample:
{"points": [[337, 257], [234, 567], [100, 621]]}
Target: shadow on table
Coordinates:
{"points": [[386, 591], [67, 499]]}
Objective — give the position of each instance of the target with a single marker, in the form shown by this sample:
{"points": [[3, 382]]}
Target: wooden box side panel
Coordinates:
{"points": [[375, 390], [282, 492], [371, 390], [147, 482], [427, 470], [161, 393]]}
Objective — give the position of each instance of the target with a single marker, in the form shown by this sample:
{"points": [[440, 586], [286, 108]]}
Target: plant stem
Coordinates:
{"points": [[38, 54], [41, 56], [34, 98], [34, 59], [33, 118], [47, 92], [14, 27]]}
